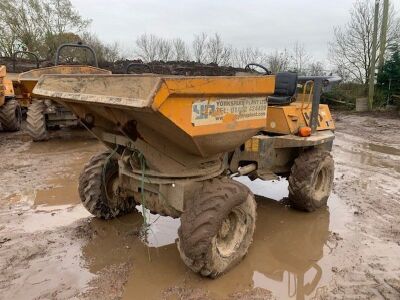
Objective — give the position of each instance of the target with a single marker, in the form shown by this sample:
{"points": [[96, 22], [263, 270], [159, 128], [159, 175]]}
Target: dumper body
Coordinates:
{"points": [[175, 140]]}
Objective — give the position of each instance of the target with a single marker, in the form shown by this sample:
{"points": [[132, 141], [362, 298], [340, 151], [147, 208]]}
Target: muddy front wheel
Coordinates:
{"points": [[10, 115], [217, 227], [99, 188], [36, 121], [311, 180]]}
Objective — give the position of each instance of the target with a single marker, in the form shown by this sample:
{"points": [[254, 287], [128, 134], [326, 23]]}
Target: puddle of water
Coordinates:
{"points": [[289, 254], [161, 231], [274, 189], [41, 219], [51, 207], [64, 193], [381, 148], [370, 159], [61, 189], [67, 143], [54, 276], [368, 154]]}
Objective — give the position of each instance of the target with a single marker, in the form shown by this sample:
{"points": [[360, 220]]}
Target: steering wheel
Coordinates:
{"points": [[248, 67]]}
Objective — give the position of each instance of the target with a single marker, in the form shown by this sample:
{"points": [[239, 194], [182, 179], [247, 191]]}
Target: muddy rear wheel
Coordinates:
{"points": [[36, 121], [217, 227], [311, 180], [10, 115], [99, 188]]}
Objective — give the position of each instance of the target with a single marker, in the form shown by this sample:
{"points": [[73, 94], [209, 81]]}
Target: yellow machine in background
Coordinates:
{"points": [[10, 110], [2, 85], [45, 115]]}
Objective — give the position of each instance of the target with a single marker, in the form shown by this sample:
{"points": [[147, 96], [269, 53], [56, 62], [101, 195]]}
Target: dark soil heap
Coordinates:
{"points": [[182, 68]]}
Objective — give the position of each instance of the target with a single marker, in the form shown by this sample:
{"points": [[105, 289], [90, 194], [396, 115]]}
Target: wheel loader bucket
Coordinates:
{"points": [[200, 115]]}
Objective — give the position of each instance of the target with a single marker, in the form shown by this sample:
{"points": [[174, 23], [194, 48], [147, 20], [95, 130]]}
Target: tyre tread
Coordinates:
{"points": [[8, 119], [203, 217], [300, 179], [36, 121], [91, 190]]}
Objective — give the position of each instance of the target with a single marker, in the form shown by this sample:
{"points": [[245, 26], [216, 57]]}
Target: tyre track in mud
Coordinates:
{"points": [[367, 160]]}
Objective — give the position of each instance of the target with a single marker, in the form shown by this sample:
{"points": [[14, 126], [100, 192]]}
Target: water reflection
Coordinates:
{"points": [[381, 148], [286, 257], [287, 249], [366, 154]]}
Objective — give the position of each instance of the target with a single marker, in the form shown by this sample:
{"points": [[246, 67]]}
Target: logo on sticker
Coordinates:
{"points": [[215, 111]]}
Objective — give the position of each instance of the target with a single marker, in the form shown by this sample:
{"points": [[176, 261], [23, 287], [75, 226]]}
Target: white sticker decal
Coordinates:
{"points": [[215, 111]]}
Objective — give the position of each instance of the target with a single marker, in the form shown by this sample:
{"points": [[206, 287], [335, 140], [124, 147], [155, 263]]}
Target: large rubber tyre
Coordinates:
{"points": [[36, 121], [10, 115], [217, 227], [311, 180], [99, 188]]}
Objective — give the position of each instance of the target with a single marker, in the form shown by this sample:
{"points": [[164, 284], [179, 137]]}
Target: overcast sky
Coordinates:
{"points": [[266, 24]]}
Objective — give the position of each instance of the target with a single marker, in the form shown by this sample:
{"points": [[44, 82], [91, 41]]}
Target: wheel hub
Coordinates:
{"points": [[112, 190], [320, 186], [231, 233], [226, 225]]}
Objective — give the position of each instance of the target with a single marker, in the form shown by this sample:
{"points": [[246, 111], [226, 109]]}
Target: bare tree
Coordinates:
{"points": [[112, 52], [352, 46], [242, 57], [164, 49], [278, 61], [316, 68], [217, 51], [342, 72], [147, 47], [180, 50], [199, 46], [300, 57], [105, 52]]}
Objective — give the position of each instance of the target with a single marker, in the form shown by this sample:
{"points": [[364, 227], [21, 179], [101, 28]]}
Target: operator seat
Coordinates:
{"points": [[285, 89]]}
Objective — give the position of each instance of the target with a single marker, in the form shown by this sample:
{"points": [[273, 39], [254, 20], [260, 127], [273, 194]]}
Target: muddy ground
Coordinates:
{"points": [[51, 248]]}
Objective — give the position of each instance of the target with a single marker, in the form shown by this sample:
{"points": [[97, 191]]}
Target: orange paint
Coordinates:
{"points": [[175, 98]]}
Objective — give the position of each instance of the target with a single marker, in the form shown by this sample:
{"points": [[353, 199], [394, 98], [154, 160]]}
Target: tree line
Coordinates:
{"points": [[41, 26], [207, 49]]}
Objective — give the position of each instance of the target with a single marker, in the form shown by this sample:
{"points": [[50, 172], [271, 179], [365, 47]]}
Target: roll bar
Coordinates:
{"points": [[319, 82], [326, 80], [77, 45]]}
